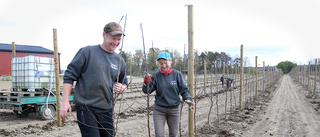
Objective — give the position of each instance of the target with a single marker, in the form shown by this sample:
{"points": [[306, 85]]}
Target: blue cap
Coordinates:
{"points": [[164, 55]]}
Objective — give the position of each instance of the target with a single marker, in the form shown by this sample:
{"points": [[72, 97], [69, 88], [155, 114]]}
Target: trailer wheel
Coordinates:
{"points": [[47, 113], [22, 114]]}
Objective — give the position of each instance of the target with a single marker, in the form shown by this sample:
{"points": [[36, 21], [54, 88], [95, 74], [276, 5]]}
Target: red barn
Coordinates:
{"points": [[6, 55]]}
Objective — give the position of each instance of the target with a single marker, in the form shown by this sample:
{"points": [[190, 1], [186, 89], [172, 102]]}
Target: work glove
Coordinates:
{"points": [[190, 104], [147, 79]]}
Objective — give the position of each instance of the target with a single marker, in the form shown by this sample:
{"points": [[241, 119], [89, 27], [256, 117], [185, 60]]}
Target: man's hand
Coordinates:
{"points": [[119, 88], [65, 107]]}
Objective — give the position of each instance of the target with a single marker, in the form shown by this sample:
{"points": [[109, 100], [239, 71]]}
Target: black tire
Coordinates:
{"points": [[47, 113], [22, 114]]}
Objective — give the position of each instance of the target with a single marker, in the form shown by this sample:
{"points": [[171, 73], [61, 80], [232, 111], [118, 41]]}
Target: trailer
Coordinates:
{"points": [[33, 87], [22, 103]]}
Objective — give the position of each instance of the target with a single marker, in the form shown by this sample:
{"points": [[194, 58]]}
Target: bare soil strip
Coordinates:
{"points": [[288, 114], [285, 109]]}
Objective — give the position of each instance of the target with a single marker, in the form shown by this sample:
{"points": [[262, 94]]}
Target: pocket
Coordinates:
{"points": [[80, 114]]}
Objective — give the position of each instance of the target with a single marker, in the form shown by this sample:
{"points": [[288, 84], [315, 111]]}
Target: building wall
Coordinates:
{"points": [[5, 63], [5, 60], [266, 69]]}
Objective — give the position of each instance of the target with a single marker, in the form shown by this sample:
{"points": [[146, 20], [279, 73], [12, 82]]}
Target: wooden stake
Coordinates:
{"points": [[303, 75], [308, 76], [234, 74], [130, 76], [224, 76], [56, 70], [272, 74], [205, 75], [299, 75], [241, 77], [268, 77], [13, 49], [315, 77], [191, 67], [256, 77], [264, 76]]}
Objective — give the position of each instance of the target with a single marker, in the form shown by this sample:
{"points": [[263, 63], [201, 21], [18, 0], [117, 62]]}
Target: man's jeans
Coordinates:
{"points": [[93, 123]]}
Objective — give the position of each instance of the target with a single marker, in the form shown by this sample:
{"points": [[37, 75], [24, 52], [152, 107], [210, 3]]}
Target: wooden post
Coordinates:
{"points": [[227, 70], [224, 76], [241, 77], [13, 49], [14, 54], [268, 77], [271, 76], [308, 76], [234, 75], [264, 75], [205, 75], [272, 73], [315, 77], [184, 57], [299, 75], [303, 74], [56, 70], [256, 77], [215, 69], [190, 67], [130, 76]]}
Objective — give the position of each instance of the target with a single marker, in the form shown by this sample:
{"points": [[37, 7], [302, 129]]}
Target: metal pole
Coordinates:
{"points": [[190, 67], [56, 70]]}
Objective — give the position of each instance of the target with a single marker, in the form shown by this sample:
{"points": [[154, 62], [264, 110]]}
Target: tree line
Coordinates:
{"points": [[214, 61]]}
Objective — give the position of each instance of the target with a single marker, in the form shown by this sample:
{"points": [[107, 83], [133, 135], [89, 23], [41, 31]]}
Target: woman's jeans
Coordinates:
{"points": [[162, 115]]}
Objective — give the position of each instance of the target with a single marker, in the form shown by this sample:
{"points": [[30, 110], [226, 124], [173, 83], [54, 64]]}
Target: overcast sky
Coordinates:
{"points": [[273, 30]]}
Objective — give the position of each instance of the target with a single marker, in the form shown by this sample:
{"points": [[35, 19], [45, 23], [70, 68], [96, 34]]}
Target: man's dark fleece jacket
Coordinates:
{"points": [[95, 71]]}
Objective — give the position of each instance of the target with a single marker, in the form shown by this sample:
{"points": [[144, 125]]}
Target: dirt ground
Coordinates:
{"points": [[288, 114], [287, 109]]}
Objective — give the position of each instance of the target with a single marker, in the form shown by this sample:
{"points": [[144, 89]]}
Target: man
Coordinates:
{"points": [[95, 69], [228, 80]]}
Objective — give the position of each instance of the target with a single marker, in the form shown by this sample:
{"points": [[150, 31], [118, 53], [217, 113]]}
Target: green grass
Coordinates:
{"points": [[5, 77]]}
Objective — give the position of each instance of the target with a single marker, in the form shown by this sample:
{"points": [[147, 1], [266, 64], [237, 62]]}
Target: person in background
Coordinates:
{"points": [[222, 79], [228, 81], [95, 69], [168, 84]]}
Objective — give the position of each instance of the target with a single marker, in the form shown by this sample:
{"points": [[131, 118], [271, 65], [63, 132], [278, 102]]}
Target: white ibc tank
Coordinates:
{"points": [[32, 73]]}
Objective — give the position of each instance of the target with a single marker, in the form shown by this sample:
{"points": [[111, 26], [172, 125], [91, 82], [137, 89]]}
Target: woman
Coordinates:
{"points": [[168, 84]]}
